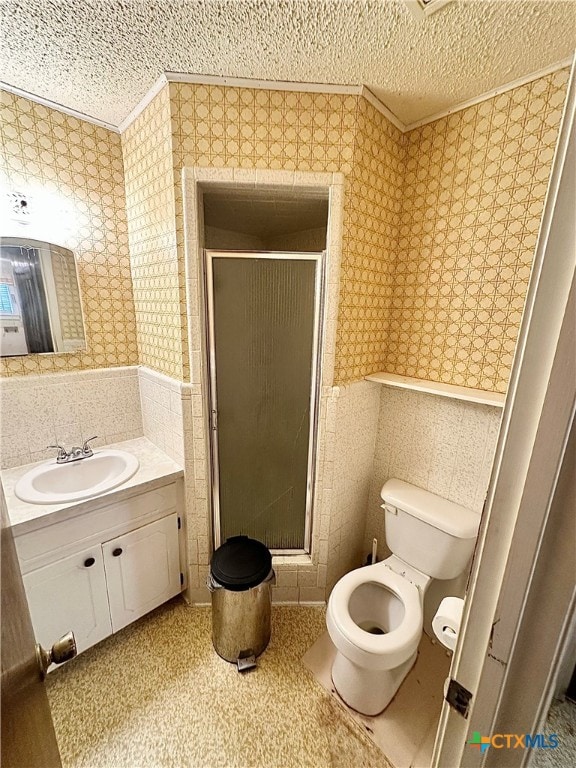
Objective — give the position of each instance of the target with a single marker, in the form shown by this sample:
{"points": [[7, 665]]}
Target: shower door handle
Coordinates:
{"points": [[214, 418]]}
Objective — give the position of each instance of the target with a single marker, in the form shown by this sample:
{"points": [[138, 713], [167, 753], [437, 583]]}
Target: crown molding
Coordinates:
{"points": [[491, 94], [298, 87], [143, 103], [267, 85], [59, 107], [382, 108]]}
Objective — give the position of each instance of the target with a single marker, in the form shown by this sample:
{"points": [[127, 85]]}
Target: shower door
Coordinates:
{"points": [[263, 333]]}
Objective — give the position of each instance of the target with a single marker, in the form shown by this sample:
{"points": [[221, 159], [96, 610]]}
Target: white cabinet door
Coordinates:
{"points": [[70, 594], [142, 570]]}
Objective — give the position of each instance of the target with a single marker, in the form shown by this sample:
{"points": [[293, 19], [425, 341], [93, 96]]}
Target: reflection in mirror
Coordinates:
{"points": [[40, 307]]}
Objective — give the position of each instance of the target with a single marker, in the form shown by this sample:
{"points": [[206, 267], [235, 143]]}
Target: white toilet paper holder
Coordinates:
{"points": [[446, 622]]}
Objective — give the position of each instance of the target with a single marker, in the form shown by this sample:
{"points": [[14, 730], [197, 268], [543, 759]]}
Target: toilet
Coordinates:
{"points": [[375, 613]]}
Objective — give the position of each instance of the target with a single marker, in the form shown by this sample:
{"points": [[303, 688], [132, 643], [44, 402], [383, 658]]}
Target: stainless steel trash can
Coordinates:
{"points": [[240, 581]]}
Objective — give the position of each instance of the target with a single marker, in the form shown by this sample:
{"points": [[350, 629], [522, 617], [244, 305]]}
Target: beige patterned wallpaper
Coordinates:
{"points": [[372, 210], [249, 128], [473, 192], [414, 299], [157, 273], [439, 231], [72, 172]]}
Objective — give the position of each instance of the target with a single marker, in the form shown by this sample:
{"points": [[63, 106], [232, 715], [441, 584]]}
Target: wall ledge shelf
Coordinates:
{"points": [[481, 396]]}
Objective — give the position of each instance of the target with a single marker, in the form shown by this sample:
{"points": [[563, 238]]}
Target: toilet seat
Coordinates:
{"points": [[363, 648]]}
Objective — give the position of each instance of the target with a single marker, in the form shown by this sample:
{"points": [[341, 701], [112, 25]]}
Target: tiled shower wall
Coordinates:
{"points": [[226, 239], [311, 240], [300, 578]]}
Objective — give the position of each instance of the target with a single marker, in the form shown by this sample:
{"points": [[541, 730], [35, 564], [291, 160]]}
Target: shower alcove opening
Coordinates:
{"points": [[262, 276]]}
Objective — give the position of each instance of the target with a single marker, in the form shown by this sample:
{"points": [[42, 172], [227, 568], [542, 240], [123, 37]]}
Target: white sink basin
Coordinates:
{"points": [[51, 483]]}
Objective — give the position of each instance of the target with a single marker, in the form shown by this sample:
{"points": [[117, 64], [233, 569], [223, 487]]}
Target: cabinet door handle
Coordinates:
{"points": [[89, 562], [117, 552]]}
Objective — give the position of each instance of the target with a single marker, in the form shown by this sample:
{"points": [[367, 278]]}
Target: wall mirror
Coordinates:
{"points": [[40, 305]]}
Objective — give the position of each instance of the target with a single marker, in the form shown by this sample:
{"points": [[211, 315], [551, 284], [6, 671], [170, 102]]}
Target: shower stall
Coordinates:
{"points": [[264, 310]]}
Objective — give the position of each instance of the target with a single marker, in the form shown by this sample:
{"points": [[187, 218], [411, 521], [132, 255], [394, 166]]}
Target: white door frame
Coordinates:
{"points": [[196, 182], [535, 426]]}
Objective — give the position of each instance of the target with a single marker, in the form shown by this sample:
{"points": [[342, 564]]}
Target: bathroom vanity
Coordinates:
{"points": [[97, 565]]}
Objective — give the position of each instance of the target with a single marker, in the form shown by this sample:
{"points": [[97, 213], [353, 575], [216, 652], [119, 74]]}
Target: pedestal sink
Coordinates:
{"points": [[51, 483]]}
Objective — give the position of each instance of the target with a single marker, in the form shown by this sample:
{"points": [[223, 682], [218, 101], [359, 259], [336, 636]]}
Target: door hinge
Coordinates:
{"points": [[458, 697], [179, 523], [181, 579]]}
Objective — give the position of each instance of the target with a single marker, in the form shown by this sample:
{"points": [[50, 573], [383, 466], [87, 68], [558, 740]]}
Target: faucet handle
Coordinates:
{"points": [[85, 447], [62, 452]]}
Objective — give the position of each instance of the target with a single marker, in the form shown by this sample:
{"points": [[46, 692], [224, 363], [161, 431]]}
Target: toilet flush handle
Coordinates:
{"points": [[389, 508]]}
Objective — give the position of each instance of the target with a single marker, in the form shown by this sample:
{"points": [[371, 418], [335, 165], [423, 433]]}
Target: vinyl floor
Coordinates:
{"points": [[561, 721], [157, 695], [406, 730]]}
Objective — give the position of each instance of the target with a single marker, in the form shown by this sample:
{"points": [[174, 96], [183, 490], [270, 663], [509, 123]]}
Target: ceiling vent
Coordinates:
{"points": [[420, 9]]}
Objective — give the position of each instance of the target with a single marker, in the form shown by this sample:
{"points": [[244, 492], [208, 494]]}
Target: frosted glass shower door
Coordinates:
{"points": [[263, 333]]}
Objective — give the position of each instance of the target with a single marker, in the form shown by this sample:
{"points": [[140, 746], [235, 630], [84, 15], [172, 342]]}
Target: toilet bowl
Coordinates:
{"points": [[375, 614], [374, 619]]}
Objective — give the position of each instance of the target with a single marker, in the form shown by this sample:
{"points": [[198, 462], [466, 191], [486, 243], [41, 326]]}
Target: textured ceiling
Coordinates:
{"points": [[100, 57]]}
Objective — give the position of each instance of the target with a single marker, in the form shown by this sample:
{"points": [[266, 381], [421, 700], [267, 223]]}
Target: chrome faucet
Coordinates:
{"points": [[75, 453]]}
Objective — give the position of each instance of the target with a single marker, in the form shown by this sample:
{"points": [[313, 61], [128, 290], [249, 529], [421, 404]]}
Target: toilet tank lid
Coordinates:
{"points": [[449, 517]]}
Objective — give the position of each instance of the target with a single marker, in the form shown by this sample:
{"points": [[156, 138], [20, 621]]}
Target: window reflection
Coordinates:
{"points": [[40, 306]]}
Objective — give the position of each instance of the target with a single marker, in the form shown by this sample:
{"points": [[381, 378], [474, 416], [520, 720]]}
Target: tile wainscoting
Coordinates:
{"points": [[367, 433], [355, 410], [165, 403], [128, 402], [347, 428], [67, 408], [446, 446], [173, 418]]}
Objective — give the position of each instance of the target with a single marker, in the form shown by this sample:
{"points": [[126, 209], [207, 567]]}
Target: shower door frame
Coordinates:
{"points": [[320, 258]]}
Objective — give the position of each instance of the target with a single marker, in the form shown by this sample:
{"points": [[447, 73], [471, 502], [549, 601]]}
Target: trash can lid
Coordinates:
{"points": [[241, 563]]}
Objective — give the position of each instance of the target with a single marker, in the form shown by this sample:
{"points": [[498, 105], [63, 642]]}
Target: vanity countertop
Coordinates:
{"points": [[156, 469]]}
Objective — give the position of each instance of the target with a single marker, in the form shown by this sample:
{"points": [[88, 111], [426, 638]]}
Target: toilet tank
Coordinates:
{"points": [[430, 533]]}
